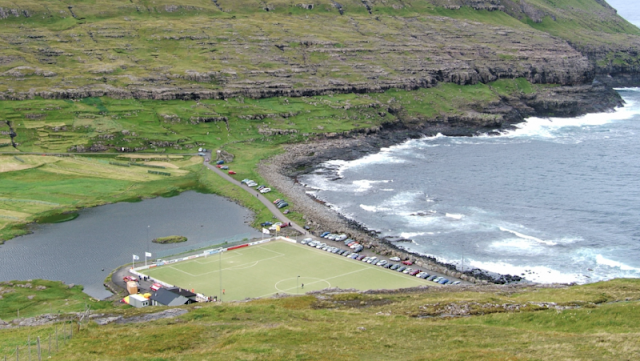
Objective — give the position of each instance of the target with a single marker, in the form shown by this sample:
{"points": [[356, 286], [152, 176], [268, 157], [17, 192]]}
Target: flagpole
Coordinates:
{"points": [[134, 261]]}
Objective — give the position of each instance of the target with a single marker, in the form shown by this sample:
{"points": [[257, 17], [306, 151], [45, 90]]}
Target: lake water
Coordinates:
{"points": [[557, 200], [106, 237]]}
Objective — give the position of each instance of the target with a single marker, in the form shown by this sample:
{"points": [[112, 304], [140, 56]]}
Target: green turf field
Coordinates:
{"points": [[274, 267]]}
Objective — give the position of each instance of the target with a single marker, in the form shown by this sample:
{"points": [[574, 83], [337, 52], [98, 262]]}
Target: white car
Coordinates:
{"points": [[312, 243], [341, 238], [321, 245], [265, 190], [407, 270], [306, 240], [372, 260], [394, 259]]}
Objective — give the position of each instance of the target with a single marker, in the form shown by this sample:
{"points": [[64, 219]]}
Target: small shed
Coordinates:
{"points": [[132, 287], [164, 297], [138, 301]]}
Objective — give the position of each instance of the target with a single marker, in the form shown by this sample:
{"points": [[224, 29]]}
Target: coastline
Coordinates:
{"points": [[283, 170]]}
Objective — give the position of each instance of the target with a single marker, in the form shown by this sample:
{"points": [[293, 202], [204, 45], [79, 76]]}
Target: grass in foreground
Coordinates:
{"points": [[277, 267], [375, 327]]}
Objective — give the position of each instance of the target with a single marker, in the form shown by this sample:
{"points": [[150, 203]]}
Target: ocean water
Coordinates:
{"points": [[555, 200]]}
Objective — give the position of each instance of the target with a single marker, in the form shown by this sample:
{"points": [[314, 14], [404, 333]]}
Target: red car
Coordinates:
{"points": [[130, 278], [408, 263], [218, 165], [232, 172], [156, 286], [414, 272]]}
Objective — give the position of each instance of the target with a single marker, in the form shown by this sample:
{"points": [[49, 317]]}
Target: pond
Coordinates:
{"points": [[84, 251]]}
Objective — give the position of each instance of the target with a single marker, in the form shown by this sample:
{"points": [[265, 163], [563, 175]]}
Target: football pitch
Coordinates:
{"points": [[277, 267]]}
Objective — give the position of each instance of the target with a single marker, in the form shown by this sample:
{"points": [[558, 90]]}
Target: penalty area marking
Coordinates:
{"points": [[316, 280]]}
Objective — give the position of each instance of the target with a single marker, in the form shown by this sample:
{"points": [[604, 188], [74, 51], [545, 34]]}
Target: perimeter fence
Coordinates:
{"points": [[42, 344]]}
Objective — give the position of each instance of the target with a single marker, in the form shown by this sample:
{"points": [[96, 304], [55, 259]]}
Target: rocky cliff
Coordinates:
{"points": [[196, 49]]}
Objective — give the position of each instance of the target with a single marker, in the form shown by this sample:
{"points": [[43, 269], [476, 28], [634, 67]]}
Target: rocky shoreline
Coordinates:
{"points": [[282, 171]]}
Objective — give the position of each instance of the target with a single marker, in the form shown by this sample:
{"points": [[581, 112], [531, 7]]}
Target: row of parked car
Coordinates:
{"points": [[355, 255], [355, 246], [252, 183]]}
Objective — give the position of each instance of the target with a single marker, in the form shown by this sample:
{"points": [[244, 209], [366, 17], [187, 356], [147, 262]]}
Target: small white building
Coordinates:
{"points": [[138, 301]]}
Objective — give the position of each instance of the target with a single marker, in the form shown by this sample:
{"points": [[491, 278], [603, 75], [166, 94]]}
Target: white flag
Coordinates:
{"points": [[265, 231], [147, 254], [135, 258]]}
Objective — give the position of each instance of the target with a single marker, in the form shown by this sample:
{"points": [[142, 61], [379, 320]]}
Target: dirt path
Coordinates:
{"points": [[270, 206]]}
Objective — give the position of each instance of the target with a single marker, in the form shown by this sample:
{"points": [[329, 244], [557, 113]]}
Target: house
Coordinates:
{"points": [[185, 293], [164, 297]]}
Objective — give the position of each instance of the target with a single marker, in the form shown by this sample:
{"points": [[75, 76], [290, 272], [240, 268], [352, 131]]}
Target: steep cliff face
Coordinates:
{"points": [[194, 49]]}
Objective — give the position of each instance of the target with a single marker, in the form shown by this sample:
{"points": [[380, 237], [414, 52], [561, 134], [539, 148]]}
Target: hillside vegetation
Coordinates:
{"points": [[191, 49], [592, 322]]}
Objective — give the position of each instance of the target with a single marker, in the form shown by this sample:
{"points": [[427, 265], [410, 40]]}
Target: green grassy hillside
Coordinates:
{"points": [[593, 322], [167, 49]]}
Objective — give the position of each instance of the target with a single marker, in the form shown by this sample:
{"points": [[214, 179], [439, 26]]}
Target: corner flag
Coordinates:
{"points": [[265, 231], [135, 258]]}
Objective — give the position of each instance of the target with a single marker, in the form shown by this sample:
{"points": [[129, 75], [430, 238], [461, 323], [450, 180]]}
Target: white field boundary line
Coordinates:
{"points": [[238, 267], [214, 258], [136, 271], [318, 281], [384, 270]]}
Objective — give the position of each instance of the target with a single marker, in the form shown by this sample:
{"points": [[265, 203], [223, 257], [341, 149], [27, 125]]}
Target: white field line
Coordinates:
{"points": [[380, 269], [237, 267], [215, 258]]}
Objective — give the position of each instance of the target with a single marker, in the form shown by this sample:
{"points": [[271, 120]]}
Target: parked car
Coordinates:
{"points": [[277, 200], [252, 184], [346, 253], [414, 272], [332, 237], [394, 266], [358, 248], [372, 260], [382, 263], [320, 245], [341, 237], [401, 268], [394, 259], [388, 265], [312, 243], [324, 234], [456, 283], [265, 190], [408, 263], [348, 242], [354, 256], [407, 270], [224, 167], [244, 180], [443, 281], [361, 257], [156, 286], [305, 241], [432, 277], [259, 187], [232, 172], [218, 166], [283, 204], [266, 224], [437, 279], [220, 162]]}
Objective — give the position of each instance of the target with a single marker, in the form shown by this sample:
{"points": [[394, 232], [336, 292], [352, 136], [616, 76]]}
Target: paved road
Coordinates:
{"points": [[272, 207]]}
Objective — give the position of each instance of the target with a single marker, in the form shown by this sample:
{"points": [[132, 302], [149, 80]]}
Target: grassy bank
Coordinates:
{"points": [[169, 239], [600, 322], [36, 297], [46, 189]]}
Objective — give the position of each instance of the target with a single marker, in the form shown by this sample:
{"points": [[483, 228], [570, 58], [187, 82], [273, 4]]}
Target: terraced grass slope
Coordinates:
{"points": [[177, 49], [592, 322]]}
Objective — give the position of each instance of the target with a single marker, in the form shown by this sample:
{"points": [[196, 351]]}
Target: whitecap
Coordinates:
{"points": [[541, 274], [410, 235], [530, 238], [454, 215], [374, 209], [601, 260]]}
